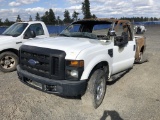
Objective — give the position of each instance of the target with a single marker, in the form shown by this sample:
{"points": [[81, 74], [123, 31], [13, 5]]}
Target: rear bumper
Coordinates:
{"points": [[59, 87]]}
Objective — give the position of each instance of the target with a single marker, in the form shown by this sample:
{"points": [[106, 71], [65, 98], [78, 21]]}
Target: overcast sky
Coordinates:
{"points": [[101, 8]]}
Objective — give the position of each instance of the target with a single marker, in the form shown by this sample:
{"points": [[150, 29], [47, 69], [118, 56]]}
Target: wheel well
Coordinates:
{"points": [[102, 65], [10, 50]]}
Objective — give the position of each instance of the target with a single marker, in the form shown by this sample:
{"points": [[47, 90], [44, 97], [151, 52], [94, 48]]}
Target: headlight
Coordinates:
{"points": [[74, 69], [74, 73]]}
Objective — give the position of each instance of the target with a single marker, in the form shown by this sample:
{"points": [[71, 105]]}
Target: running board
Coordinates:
{"points": [[118, 75]]}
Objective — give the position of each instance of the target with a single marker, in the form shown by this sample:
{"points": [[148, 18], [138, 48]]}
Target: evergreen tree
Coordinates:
{"points": [[142, 19], [30, 18], [37, 17], [94, 16], [6, 22], [51, 17], [86, 9], [145, 19], [75, 16], [18, 19], [45, 18], [59, 21], [67, 18], [155, 19], [1, 22]]}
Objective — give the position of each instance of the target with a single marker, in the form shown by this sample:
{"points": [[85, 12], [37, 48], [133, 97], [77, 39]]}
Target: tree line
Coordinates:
{"points": [[140, 19], [49, 17]]}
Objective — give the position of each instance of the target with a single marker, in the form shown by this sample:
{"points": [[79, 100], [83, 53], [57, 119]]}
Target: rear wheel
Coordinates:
{"points": [[95, 90], [8, 61]]}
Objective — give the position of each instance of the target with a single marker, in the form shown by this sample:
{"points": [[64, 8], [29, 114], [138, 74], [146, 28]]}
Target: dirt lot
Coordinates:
{"points": [[135, 96]]}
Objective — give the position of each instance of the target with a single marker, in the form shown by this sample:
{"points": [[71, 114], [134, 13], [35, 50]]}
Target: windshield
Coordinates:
{"points": [[15, 30], [92, 31]]}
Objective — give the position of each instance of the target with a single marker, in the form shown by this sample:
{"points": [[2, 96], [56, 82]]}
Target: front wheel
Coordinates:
{"points": [[95, 90], [8, 61]]}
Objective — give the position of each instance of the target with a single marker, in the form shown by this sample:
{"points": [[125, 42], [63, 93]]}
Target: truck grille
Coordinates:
{"points": [[43, 62]]}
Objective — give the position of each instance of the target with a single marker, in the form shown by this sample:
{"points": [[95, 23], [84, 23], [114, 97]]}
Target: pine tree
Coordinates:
{"points": [[1, 22], [18, 19], [30, 18], [51, 17], [94, 16], [67, 18], [45, 18], [6, 22], [86, 9], [59, 21], [37, 18], [75, 16]]}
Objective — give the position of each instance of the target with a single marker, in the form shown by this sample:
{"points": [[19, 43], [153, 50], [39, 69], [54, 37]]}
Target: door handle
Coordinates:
{"points": [[134, 47], [19, 42]]}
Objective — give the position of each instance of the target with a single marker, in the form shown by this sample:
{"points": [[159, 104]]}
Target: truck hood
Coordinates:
{"points": [[6, 39], [71, 45]]}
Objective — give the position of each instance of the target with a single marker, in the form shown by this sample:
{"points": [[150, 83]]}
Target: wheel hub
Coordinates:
{"points": [[7, 62], [99, 90]]}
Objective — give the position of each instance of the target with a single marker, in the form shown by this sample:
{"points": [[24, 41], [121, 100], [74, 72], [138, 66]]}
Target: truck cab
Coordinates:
{"points": [[81, 60], [13, 37]]}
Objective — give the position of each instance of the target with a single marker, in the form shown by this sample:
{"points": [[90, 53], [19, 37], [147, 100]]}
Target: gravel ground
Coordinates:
{"points": [[135, 96]]}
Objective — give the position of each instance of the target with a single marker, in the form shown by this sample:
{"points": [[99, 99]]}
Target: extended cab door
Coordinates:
{"points": [[124, 48]]}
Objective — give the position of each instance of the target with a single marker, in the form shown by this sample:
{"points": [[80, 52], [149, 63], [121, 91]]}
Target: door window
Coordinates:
{"points": [[37, 28], [124, 29]]}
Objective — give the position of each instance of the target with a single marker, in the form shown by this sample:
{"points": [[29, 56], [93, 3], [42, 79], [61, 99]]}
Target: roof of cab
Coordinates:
{"points": [[101, 20], [31, 22]]}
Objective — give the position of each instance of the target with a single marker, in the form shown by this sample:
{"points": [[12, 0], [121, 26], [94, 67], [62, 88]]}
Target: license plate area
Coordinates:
{"points": [[34, 83]]}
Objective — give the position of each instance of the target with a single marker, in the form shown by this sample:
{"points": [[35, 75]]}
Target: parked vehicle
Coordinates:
{"points": [[81, 60], [140, 29], [13, 37]]}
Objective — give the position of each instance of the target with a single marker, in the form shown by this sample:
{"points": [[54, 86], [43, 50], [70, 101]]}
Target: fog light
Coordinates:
{"points": [[52, 88], [74, 73]]}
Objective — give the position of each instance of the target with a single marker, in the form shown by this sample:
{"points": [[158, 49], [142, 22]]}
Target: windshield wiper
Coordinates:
{"points": [[7, 34], [15, 35], [64, 35], [89, 35]]}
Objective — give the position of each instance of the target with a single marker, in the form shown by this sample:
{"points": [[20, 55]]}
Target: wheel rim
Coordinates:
{"points": [[7, 62], [100, 89]]}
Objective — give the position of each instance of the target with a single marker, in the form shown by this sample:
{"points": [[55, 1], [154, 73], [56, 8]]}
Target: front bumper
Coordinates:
{"points": [[59, 87]]}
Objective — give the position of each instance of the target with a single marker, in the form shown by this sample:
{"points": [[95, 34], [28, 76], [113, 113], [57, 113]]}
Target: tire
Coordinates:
{"points": [[8, 61], [96, 89]]}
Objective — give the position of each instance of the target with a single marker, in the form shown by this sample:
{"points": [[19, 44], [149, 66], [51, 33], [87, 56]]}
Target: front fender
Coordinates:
{"points": [[11, 45], [90, 64]]}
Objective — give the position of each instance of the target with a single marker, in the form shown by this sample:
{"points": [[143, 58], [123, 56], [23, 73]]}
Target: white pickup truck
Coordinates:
{"points": [[13, 37], [81, 60]]}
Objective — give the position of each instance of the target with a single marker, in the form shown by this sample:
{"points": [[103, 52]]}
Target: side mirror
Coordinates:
{"points": [[33, 34], [111, 33], [29, 34]]}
